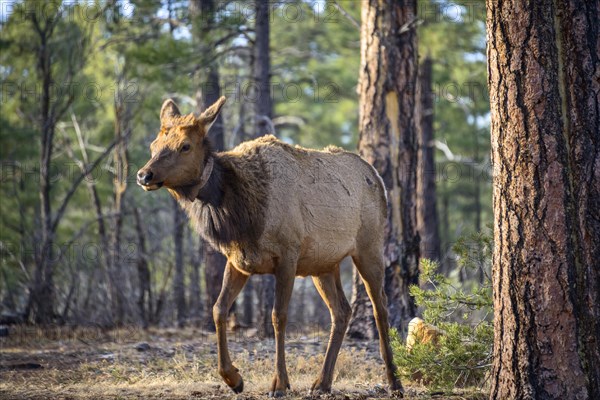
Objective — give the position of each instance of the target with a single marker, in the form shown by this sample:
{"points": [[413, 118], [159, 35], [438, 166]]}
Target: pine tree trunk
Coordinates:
{"points": [[544, 84], [40, 306], [179, 219], [247, 318], [387, 125], [145, 300], [262, 70], [214, 262], [116, 264], [362, 323], [266, 301], [195, 303], [427, 215], [213, 276], [447, 263], [263, 113], [209, 93]]}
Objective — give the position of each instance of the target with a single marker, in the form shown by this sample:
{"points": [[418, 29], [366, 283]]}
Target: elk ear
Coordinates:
{"points": [[168, 110], [209, 116]]}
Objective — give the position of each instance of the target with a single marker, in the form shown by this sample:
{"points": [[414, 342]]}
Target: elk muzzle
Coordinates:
{"points": [[147, 179]]}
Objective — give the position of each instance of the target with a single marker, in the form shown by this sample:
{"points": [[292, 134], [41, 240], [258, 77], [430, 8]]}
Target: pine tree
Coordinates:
{"points": [[544, 62]]}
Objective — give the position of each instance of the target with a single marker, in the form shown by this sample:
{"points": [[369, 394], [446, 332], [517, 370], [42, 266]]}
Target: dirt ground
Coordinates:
{"points": [[77, 363]]}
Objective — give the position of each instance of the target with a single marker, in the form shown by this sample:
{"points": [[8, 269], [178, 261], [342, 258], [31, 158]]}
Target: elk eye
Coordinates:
{"points": [[185, 147]]}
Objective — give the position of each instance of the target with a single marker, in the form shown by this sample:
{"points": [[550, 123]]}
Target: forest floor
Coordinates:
{"points": [[76, 363]]}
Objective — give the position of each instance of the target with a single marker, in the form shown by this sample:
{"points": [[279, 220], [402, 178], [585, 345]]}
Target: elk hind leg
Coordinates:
{"points": [[284, 284], [330, 288], [371, 268]]}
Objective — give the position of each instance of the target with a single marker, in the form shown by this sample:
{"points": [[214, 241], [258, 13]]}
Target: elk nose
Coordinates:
{"points": [[144, 177]]}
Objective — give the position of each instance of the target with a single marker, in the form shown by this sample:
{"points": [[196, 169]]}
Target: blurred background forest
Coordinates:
{"points": [[82, 85]]}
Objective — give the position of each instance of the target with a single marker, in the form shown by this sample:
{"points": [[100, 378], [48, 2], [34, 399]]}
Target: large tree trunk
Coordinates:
{"points": [[263, 110], [543, 63], [387, 125], [427, 215], [179, 219]]}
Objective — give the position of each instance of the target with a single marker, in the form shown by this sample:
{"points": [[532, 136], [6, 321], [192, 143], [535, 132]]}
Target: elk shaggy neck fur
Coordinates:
{"points": [[231, 206]]}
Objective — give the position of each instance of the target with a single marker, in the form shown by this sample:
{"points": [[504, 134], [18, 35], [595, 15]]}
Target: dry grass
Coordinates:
{"points": [[180, 364]]}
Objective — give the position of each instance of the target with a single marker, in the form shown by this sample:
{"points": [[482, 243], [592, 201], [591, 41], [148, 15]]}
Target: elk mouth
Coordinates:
{"points": [[152, 186]]}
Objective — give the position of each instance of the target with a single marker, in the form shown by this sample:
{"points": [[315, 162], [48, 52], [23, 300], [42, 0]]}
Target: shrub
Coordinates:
{"points": [[462, 355]]}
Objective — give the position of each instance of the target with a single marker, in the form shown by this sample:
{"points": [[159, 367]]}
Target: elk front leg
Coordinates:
{"points": [[233, 282], [284, 284]]}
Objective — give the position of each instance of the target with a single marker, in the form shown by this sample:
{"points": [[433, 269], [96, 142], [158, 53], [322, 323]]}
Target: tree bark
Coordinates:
{"points": [[543, 77], [387, 125], [427, 215], [362, 323], [179, 219], [263, 112]]}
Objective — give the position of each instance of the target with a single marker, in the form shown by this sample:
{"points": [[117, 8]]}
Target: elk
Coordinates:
{"points": [[273, 208]]}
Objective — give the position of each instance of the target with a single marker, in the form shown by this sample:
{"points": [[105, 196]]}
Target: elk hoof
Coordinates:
{"points": [[239, 388], [318, 388], [279, 386], [397, 391]]}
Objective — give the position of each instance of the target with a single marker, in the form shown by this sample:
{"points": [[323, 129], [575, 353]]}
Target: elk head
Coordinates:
{"points": [[180, 153]]}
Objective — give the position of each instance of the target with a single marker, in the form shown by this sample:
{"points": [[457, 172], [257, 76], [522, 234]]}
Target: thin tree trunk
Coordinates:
{"points": [[544, 59], [213, 276], [195, 291], [117, 264], [263, 110], [446, 263], [104, 259], [481, 273], [143, 271], [300, 305], [247, 317], [387, 125], [41, 307], [262, 70], [208, 93], [427, 215], [179, 219], [41, 302]]}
